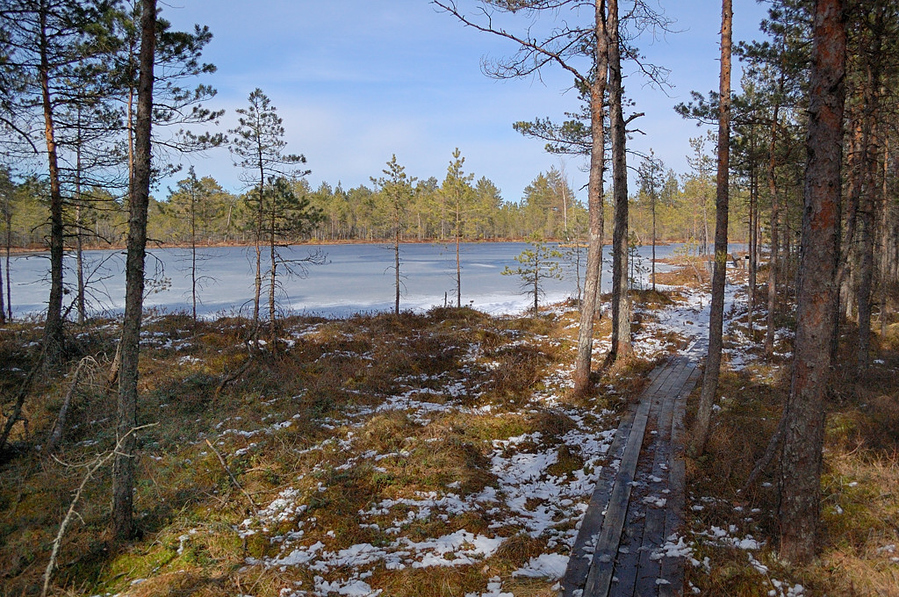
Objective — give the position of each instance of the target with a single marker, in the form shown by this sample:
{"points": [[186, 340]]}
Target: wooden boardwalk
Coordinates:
{"points": [[639, 496]]}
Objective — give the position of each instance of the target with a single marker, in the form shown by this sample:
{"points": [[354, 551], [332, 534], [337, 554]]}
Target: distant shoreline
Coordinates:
{"points": [[173, 245]]}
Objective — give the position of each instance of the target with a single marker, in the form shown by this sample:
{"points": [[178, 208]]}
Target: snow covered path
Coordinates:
{"points": [[628, 542]]}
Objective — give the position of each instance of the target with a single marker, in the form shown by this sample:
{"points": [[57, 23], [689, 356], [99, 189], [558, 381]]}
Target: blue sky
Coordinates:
{"points": [[359, 80]]}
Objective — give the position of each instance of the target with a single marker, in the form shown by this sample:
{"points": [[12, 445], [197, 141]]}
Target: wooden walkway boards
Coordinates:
{"points": [[639, 496]]}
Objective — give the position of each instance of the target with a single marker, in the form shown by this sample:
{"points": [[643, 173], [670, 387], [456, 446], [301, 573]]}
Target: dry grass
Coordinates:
{"points": [[321, 372], [858, 553]]}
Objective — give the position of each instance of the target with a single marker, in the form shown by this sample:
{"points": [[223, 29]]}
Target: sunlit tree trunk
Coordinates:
{"points": [[123, 471], [800, 462], [53, 327], [621, 316], [592, 276], [774, 260], [716, 310]]}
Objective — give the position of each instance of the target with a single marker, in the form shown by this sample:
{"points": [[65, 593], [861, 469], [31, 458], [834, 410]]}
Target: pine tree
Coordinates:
{"points": [[259, 146], [123, 471], [458, 195], [396, 188], [536, 265]]}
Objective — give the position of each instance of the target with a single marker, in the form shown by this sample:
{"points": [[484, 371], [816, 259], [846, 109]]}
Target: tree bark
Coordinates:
{"points": [[800, 462], [123, 470], [774, 261], [621, 316], [753, 236], [53, 327], [582, 383], [273, 276], [716, 310], [869, 200]]}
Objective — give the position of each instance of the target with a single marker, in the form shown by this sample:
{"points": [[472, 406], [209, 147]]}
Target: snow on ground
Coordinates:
{"points": [[525, 497]]}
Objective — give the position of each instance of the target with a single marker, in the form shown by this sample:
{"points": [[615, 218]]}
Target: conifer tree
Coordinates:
{"points": [[396, 187], [259, 148], [458, 194], [123, 472]]}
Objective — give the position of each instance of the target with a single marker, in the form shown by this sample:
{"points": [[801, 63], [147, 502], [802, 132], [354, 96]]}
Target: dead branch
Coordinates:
{"points": [[92, 468], [230, 474], [59, 426], [114, 368]]}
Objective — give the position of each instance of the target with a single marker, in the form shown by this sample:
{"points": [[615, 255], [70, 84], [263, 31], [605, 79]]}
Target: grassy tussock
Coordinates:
{"points": [[279, 425]]}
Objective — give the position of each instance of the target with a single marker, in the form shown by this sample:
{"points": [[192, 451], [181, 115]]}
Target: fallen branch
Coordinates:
{"points": [[230, 378], [59, 426], [92, 468], [770, 452], [113, 376], [230, 474]]}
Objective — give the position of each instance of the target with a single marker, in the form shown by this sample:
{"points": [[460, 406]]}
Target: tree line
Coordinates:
{"points": [[548, 208]]}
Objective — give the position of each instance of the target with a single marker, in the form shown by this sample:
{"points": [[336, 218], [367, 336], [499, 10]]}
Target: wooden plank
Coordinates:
{"points": [[672, 568], [600, 575], [582, 551], [584, 545], [649, 569], [624, 576], [661, 405]]}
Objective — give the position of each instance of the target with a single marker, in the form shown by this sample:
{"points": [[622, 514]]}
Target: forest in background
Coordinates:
{"points": [[548, 209]]}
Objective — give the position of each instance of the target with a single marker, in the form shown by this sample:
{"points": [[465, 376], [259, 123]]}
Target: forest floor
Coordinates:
{"points": [[421, 455]]}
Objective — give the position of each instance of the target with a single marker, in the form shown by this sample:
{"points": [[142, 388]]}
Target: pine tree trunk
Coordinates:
{"points": [[800, 463], [193, 255], [123, 471], [273, 279], [774, 261], [458, 260], [2, 306], [53, 327], [753, 243], [593, 274], [257, 245], [8, 249], [869, 204], [621, 316], [396, 265], [716, 310]]}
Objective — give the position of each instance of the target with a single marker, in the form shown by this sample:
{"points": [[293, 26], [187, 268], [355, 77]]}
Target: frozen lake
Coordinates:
{"points": [[355, 278]]}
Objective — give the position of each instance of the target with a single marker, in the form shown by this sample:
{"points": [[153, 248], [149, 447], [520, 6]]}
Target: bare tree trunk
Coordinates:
{"points": [[800, 462], [2, 306], [458, 261], [654, 233], [396, 265], [123, 470], [273, 261], [869, 204], [8, 243], [716, 310], [582, 384], [774, 261], [257, 246], [53, 327], [621, 316], [884, 238], [753, 242]]}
